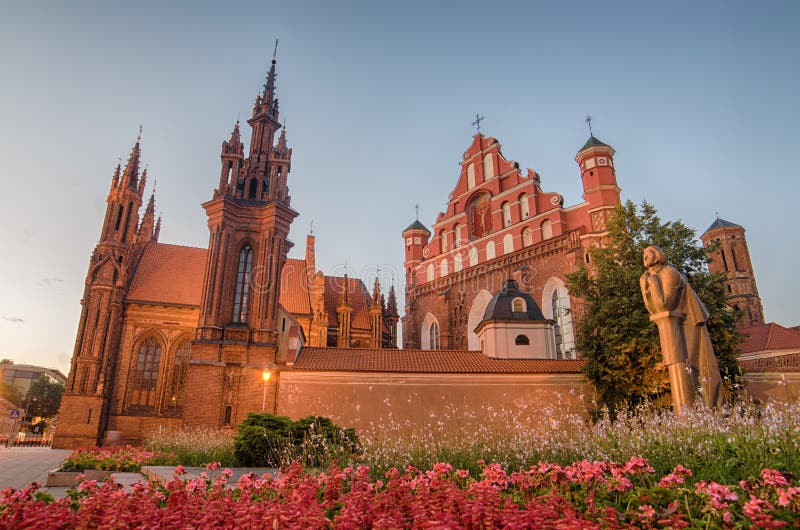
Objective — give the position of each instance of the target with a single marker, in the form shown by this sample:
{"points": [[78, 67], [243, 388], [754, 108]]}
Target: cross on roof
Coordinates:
{"points": [[588, 121], [275, 51], [477, 122], [416, 206]]}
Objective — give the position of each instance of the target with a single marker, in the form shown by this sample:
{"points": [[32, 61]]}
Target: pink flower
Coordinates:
{"points": [[754, 506], [647, 511], [462, 473], [718, 494], [212, 466], [179, 470], [785, 496], [637, 464], [772, 477], [727, 517]]}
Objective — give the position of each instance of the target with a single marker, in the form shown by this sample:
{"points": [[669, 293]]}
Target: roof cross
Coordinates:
{"points": [[588, 121], [416, 206], [275, 51], [477, 122]]}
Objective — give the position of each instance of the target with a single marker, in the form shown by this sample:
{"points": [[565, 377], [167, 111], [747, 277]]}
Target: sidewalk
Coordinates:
{"points": [[19, 466]]}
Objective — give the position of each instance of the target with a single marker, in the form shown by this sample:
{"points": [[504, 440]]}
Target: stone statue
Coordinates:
{"points": [[685, 344]]}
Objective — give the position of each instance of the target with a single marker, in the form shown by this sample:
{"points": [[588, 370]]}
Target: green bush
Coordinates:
{"points": [[276, 441]]}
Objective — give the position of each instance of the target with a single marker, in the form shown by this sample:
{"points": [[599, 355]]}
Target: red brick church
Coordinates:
{"points": [[173, 336]]}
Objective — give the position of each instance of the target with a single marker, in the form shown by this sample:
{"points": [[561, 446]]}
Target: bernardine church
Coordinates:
{"points": [[172, 336]]}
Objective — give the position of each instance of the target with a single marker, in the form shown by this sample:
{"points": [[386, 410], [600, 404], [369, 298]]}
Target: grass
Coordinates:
{"points": [[195, 446]]}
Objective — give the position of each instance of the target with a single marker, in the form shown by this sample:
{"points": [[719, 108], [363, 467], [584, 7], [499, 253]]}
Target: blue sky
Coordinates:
{"points": [[698, 98]]}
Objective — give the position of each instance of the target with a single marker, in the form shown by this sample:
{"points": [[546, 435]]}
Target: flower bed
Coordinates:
{"points": [[584, 494], [122, 459]]}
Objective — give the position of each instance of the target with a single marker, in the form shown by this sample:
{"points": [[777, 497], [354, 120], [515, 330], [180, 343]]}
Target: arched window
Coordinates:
{"points": [[527, 237], [443, 268], [508, 243], [490, 250], [429, 336], [457, 236], [242, 284], [565, 339], [251, 194], [144, 377], [488, 167], [470, 176], [522, 340], [227, 420], [443, 241], [518, 305], [524, 207], [434, 334], [506, 214], [547, 229], [173, 397], [473, 256], [457, 263], [431, 272]]}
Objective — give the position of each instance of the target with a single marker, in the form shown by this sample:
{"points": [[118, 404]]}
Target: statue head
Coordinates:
{"points": [[653, 256]]}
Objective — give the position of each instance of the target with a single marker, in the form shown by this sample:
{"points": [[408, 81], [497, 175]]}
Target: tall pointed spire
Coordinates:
{"points": [[130, 177], [391, 304], [147, 226], [115, 178], [376, 292]]}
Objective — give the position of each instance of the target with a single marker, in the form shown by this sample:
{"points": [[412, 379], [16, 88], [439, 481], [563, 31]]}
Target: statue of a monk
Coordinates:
{"points": [[685, 344]]}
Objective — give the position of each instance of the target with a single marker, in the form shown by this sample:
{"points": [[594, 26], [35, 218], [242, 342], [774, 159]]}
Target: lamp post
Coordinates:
{"points": [[265, 375]]}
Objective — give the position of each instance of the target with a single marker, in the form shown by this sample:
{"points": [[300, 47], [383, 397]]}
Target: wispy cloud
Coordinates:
{"points": [[15, 320], [47, 282]]}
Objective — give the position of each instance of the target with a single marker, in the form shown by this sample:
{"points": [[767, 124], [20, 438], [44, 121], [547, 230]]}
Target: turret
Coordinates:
{"points": [[732, 258], [599, 178], [376, 316], [344, 311], [416, 237], [232, 157], [392, 317]]}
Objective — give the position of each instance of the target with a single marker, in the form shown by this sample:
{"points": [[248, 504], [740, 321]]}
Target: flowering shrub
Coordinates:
{"points": [[123, 459], [582, 495]]}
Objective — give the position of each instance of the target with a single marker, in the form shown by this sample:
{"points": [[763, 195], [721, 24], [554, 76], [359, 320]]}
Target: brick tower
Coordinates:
{"points": [[732, 258], [85, 403], [234, 353]]}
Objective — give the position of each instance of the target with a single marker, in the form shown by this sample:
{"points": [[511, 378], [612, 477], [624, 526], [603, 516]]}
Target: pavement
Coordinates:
{"points": [[19, 466]]}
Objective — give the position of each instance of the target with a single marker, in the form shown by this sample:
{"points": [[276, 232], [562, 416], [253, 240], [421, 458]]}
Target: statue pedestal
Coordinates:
{"points": [[682, 379]]}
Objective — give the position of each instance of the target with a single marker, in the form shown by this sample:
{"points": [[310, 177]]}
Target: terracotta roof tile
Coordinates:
{"points": [[169, 274], [424, 361], [294, 295], [359, 299], [770, 336]]}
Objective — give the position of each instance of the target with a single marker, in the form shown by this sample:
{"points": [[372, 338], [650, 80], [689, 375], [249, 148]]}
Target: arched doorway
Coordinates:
{"points": [[475, 316]]}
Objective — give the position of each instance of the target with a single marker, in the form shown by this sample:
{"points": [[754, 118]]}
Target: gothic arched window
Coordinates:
{"points": [[173, 398], [506, 214], [527, 236], [242, 284], [145, 377], [488, 167], [524, 207], [435, 344], [565, 338]]}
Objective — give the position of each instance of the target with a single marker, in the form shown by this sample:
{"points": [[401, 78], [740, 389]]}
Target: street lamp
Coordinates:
{"points": [[265, 375]]}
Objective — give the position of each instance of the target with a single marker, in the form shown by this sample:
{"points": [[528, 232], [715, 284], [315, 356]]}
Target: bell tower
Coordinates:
{"points": [[249, 217], [599, 178], [86, 398], [732, 258]]}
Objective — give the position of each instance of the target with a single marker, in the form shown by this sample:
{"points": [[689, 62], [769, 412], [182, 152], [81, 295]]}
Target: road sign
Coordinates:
{"points": [[15, 414]]}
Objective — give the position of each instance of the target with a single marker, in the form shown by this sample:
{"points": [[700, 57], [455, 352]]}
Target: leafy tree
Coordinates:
{"points": [[10, 393], [44, 397], [615, 335]]}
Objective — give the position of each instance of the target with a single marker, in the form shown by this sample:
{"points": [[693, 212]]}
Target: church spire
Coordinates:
{"points": [[130, 177], [391, 304], [147, 226]]}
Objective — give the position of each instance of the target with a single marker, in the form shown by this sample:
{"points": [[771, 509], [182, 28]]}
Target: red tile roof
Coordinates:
{"points": [[770, 336], [169, 274], [424, 361], [359, 299], [294, 294]]}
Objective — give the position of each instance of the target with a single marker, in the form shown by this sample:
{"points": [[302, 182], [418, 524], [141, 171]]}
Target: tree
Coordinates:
{"points": [[616, 336], [43, 398], [10, 393]]}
